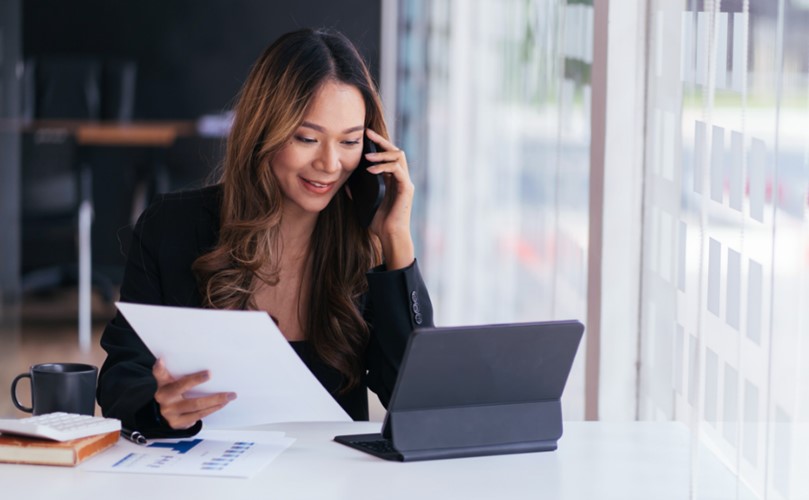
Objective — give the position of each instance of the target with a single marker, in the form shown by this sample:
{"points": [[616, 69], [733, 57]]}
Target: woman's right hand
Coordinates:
{"points": [[178, 410]]}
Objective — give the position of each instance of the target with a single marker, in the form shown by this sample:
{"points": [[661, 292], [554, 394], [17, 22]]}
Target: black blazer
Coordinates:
{"points": [[167, 238]]}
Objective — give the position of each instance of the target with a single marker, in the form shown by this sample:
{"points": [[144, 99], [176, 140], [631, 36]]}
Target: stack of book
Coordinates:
{"points": [[47, 444]]}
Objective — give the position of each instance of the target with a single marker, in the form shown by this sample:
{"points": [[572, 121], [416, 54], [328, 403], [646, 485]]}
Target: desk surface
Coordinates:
{"points": [[635, 460]]}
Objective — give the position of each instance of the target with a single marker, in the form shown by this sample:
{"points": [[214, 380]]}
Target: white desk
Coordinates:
{"points": [[595, 460]]}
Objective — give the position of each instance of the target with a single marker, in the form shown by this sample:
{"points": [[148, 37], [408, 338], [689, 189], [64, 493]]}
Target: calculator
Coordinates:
{"points": [[59, 426]]}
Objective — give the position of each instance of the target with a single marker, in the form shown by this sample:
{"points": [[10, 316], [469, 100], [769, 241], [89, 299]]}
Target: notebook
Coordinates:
{"points": [[477, 390]]}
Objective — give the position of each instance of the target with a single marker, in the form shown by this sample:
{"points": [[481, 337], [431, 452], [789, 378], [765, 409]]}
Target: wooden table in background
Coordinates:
{"points": [[161, 134]]}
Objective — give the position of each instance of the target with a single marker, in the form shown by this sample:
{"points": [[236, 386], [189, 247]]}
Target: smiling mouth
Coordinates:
{"points": [[319, 185]]}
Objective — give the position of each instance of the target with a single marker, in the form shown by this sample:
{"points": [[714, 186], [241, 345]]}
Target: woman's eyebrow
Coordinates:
{"points": [[323, 130]]}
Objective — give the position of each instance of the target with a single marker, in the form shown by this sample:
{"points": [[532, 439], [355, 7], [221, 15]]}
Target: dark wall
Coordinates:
{"points": [[192, 55], [10, 14]]}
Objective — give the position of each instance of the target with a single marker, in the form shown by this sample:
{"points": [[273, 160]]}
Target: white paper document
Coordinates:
{"points": [[245, 353], [210, 453]]}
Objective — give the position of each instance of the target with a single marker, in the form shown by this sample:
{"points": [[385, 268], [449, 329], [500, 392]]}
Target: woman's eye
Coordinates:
{"points": [[351, 143], [305, 140]]}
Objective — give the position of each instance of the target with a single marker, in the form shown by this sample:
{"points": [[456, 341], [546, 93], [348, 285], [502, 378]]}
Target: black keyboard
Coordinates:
{"points": [[382, 446], [373, 444]]}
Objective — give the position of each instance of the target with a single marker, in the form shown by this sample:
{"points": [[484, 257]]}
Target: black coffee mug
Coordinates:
{"points": [[67, 387]]}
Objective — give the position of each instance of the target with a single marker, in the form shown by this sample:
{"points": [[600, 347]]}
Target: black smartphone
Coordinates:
{"points": [[367, 189]]}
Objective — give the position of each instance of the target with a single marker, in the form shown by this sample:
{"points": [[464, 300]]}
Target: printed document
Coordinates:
{"points": [[245, 353], [209, 453]]}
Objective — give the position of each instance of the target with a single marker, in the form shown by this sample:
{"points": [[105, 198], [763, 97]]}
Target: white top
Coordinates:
{"points": [[633, 460]]}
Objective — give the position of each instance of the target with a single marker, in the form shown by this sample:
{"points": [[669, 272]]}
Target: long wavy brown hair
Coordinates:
{"points": [[270, 107]]}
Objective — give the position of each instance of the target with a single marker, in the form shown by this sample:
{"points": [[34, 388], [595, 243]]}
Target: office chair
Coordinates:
{"points": [[64, 88], [119, 79], [56, 187], [53, 188], [56, 184]]}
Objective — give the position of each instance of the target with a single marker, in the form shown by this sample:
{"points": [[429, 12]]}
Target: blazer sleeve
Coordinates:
{"points": [[126, 386], [397, 303]]}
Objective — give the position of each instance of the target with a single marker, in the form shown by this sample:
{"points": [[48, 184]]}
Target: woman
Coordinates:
{"points": [[279, 233]]}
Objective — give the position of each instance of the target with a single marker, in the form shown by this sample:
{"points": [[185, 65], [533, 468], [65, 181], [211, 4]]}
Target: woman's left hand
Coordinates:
{"points": [[392, 221]]}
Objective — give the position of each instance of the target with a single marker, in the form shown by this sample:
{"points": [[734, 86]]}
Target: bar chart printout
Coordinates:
{"points": [[212, 453]]}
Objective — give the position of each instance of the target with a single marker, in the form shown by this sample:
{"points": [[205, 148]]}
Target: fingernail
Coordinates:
{"points": [[231, 396]]}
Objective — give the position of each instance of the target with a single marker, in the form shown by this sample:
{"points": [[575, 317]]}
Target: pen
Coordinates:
{"points": [[134, 436]]}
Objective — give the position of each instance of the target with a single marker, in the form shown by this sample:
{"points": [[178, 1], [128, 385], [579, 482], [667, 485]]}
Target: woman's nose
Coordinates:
{"points": [[328, 160]]}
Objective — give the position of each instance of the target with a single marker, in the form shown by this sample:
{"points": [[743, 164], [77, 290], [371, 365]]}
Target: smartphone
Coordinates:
{"points": [[367, 189]]}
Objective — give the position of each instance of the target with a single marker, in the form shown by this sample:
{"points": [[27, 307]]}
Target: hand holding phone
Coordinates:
{"points": [[367, 189], [391, 224]]}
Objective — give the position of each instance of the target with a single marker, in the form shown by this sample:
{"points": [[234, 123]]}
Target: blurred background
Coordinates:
{"points": [[639, 165]]}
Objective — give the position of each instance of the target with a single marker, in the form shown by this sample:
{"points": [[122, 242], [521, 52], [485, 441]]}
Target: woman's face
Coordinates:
{"points": [[323, 151]]}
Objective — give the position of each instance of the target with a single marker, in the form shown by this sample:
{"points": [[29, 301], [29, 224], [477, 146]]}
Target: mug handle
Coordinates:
{"points": [[14, 393]]}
